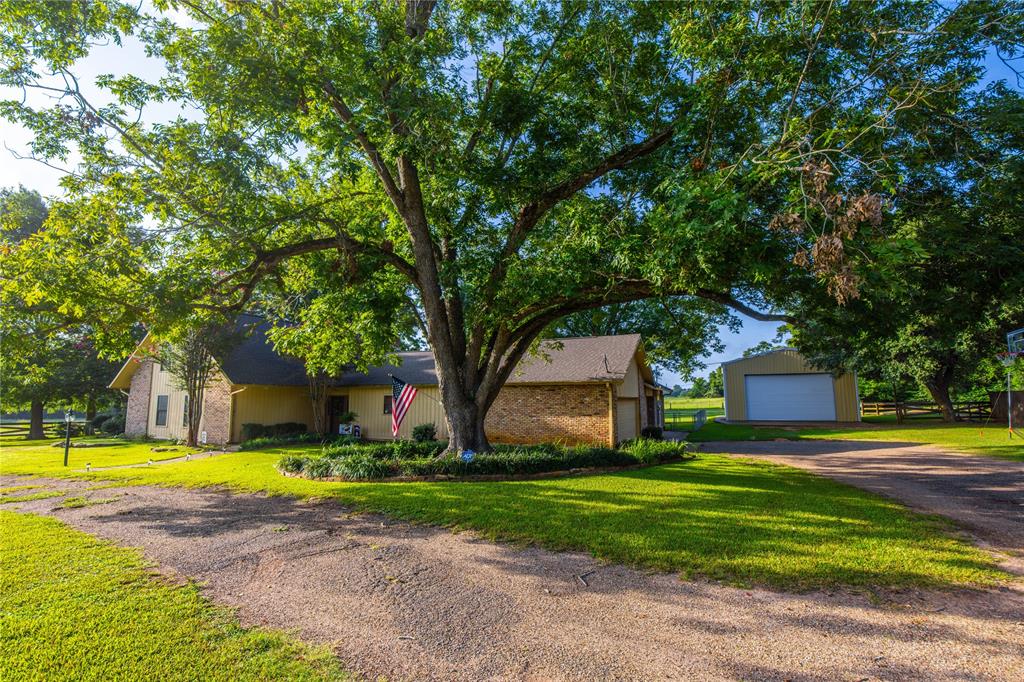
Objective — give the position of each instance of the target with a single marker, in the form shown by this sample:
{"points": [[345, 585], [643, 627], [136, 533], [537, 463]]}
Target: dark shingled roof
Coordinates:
{"points": [[576, 360]]}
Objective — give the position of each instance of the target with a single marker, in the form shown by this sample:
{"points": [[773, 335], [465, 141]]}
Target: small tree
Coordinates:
{"points": [[191, 360], [716, 386], [699, 389]]}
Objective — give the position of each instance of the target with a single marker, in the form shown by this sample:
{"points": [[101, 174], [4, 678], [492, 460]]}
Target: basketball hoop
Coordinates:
{"points": [[1008, 358], [1014, 349]]}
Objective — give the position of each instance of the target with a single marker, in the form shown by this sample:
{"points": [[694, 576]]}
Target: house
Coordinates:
{"points": [[594, 390], [781, 385]]}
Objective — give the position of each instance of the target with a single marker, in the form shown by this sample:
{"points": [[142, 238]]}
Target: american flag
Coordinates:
{"points": [[402, 395]]}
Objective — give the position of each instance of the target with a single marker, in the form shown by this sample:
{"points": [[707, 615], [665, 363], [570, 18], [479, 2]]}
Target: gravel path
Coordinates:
{"points": [[985, 495], [417, 602]]}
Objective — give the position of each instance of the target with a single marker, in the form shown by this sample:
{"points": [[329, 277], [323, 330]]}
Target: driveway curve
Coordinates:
{"points": [[416, 602], [984, 495]]}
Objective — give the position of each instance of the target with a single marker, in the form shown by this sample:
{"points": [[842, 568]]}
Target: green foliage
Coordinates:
{"points": [[292, 464], [409, 458], [698, 388], [360, 467], [318, 467], [424, 432], [945, 281], [712, 387], [716, 384], [251, 431], [647, 451], [295, 438], [127, 623], [652, 432], [114, 424], [45, 361], [398, 449], [357, 171]]}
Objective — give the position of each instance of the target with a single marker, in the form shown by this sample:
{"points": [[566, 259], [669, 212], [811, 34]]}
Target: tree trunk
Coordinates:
{"points": [[318, 398], [90, 414], [35, 427], [939, 390], [465, 425]]}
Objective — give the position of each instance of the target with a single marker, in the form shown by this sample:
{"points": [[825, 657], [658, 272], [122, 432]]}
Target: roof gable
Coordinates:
{"points": [[578, 360]]}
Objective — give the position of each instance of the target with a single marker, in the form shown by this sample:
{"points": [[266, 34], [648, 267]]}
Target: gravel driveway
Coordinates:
{"points": [[985, 495], [417, 602]]}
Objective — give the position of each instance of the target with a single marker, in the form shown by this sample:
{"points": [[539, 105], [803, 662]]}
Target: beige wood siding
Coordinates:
{"points": [[784, 362], [163, 384], [368, 403], [175, 429], [630, 386], [270, 405], [628, 417]]}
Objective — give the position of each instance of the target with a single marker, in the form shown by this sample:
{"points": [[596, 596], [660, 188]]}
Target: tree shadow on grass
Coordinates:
{"points": [[746, 523]]}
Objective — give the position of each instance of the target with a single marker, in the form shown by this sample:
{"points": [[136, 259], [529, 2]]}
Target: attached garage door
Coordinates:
{"points": [[790, 397]]}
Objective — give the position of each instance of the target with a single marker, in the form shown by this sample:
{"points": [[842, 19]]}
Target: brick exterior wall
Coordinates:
{"points": [[136, 418], [216, 420], [572, 414]]}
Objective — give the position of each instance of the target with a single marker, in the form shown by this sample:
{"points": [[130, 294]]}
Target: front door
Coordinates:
{"points": [[337, 405]]}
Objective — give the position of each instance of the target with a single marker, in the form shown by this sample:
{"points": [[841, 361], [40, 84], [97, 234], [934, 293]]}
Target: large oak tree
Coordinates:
{"points": [[488, 167]]}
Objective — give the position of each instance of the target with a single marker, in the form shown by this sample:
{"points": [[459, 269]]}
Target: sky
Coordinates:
{"points": [[130, 57]]}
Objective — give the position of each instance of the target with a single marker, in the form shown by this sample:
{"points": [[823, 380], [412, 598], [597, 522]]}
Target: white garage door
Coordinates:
{"points": [[790, 397]]}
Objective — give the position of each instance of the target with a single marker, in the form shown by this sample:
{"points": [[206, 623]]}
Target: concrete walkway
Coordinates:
{"points": [[984, 495], [418, 602]]}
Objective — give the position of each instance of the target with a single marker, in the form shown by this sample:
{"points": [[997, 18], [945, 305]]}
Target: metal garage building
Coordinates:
{"points": [[781, 386]]}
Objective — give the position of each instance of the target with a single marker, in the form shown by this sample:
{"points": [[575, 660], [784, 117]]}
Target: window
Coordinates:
{"points": [[387, 404], [184, 413], [161, 410]]}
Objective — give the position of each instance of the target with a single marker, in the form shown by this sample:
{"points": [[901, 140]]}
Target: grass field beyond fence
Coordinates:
{"points": [[680, 412]]}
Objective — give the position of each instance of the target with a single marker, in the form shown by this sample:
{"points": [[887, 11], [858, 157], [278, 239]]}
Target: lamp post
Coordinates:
{"points": [[67, 434]]}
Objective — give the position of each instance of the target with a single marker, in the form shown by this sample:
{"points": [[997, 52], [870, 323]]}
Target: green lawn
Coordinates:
{"points": [[744, 522], [74, 607], [39, 456], [989, 440]]}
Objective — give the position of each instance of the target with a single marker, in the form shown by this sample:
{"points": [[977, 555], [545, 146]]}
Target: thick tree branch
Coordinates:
{"points": [[373, 155], [531, 214], [728, 300]]}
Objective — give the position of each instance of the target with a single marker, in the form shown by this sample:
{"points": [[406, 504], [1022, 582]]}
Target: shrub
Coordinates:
{"points": [[317, 467], [113, 424], [424, 432], [252, 430], [651, 432], [293, 464], [362, 466], [98, 420], [368, 461], [277, 441], [647, 451], [399, 449]]}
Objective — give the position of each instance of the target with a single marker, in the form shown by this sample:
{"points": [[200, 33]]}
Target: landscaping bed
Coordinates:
{"points": [[422, 461]]}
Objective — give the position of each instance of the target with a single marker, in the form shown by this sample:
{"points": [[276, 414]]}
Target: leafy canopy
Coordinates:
{"points": [[478, 169]]}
